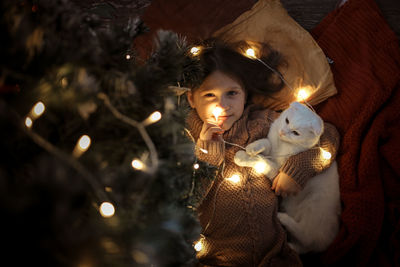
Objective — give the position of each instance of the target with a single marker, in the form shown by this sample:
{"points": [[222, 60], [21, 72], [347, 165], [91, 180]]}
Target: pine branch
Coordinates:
{"points": [[40, 141], [138, 125]]}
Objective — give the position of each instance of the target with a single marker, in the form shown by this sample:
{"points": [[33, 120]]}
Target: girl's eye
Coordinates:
{"points": [[295, 133], [287, 121], [232, 93], [209, 95]]}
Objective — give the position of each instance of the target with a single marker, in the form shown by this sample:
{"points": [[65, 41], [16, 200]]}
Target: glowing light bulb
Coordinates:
{"points": [[326, 154], [216, 112], [84, 142], [196, 166], [195, 50], [260, 167], [154, 117], [251, 53], [198, 246], [82, 145], [234, 178], [107, 209], [137, 164], [38, 109], [203, 150], [302, 95], [28, 122], [128, 56]]}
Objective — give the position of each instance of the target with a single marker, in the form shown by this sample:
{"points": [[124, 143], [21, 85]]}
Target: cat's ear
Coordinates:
{"points": [[295, 105], [317, 126]]}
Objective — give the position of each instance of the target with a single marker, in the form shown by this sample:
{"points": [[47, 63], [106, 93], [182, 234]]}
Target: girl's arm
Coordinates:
{"points": [[210, 146], [307, 164]]}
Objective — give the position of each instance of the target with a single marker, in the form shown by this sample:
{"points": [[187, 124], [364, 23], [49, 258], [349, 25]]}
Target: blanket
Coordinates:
{"points": [[366, 111]]}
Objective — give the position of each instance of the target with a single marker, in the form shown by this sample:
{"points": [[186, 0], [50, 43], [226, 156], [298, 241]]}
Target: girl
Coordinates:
{"points": [[237, 207]]}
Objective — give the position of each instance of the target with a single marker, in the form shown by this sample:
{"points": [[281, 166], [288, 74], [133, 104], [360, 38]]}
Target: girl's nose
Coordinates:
{"points": [[223, 103]]}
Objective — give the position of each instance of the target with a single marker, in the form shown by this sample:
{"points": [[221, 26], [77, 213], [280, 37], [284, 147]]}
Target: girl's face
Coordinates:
{"points": [[218, 91]]}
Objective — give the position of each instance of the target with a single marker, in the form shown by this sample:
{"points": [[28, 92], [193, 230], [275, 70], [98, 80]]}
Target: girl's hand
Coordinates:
{"points": [[211, 131], [284, 185]]}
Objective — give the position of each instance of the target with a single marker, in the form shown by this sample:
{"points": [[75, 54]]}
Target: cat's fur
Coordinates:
{"points": [[312, 216]]}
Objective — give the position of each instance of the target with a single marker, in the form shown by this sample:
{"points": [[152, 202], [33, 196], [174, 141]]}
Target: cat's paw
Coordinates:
{"points": [[284, 218], [295, 247], [242, 159], [258, 146]]}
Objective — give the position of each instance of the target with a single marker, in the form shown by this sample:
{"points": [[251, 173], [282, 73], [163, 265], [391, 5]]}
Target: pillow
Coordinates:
{"points": [[307, 67]]}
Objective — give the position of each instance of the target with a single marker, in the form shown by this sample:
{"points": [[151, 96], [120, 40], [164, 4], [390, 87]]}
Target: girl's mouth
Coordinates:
{"points": [[222, 119]]}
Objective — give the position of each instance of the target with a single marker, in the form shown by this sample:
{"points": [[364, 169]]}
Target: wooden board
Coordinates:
{"points": [[308, 13]]}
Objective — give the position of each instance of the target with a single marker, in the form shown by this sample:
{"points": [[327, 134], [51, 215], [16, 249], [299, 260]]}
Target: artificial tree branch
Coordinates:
{"points": [[153, 152], [141, 128], [71, 161]]}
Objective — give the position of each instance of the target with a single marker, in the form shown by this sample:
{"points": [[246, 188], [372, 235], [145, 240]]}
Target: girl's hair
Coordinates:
{"points": [[253, 75]]}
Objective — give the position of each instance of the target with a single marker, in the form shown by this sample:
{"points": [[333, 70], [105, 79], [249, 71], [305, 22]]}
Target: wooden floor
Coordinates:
{"points": [[308, 13]]}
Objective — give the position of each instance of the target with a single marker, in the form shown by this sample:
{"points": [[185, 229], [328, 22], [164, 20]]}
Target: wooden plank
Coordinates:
{"points": [[308, 13]]}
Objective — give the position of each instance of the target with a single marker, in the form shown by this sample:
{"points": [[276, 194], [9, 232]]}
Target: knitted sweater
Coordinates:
{"points": [[239, 222]]}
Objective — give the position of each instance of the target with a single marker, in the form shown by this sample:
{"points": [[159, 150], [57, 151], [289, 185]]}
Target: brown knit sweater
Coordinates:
{"points": [[239, 221]]}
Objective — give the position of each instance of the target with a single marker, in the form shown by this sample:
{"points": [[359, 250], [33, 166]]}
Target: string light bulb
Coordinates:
{"points": [[302, 95], [196, 166], [234, 178], [138, 164], [28, 122], [203, 150], [107, 209], [260, 167], [128, 56], [217, 112], [84, 142], [82, 145], [38, 109], [195, 50], [198, 246], [153, 118], [325, 154], [251, 53]]}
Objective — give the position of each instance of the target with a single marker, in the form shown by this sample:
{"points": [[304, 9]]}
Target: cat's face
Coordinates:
{"points": [[299, 125]]}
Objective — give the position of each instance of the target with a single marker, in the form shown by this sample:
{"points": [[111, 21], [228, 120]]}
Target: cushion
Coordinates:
{"points": [[307, 67]]}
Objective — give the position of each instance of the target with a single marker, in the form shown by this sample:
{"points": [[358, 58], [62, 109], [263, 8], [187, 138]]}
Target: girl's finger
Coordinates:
{"points": [[212, 122], [208, 126], [274, 183], [215, 129]]}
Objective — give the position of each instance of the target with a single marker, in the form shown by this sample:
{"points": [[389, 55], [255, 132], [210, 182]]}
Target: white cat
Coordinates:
{"points": [[312, 216]]}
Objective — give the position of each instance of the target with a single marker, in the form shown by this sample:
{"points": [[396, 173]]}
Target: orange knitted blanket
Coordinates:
{"points": [[366, 112]]}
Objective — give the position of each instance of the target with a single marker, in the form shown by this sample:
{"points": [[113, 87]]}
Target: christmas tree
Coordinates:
{"points": [[96, 166]]}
